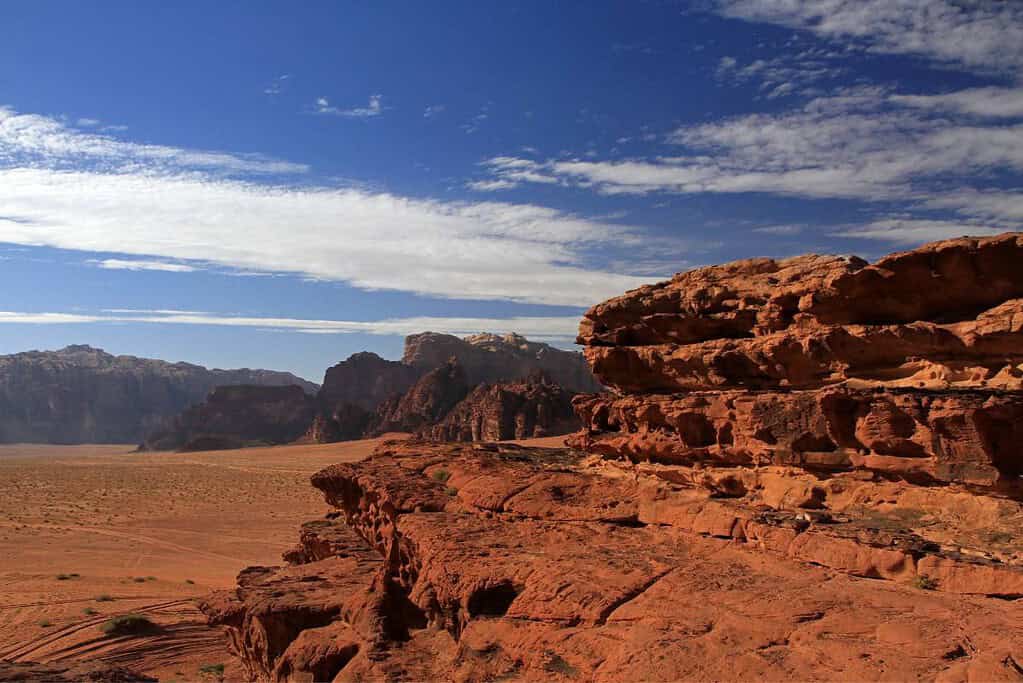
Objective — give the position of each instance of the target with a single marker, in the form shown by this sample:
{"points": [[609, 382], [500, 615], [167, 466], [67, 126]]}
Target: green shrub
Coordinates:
{"points": [[441, 475], [127, 625], [925, 583], [63, 577], [216, 670], [46, 623], [451, 491], [104, 598], [88, 611]]}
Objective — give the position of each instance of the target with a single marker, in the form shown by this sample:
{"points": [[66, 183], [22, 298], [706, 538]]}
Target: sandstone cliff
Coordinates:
{"points": [[84, 395], [911, 367], [532, 408], [492, 358], [237, 416], [424, 404]]}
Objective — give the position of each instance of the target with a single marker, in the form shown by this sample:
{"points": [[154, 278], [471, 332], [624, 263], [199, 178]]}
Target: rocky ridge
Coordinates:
{"points": [[237, 416], [852, 529], [81, 394]]}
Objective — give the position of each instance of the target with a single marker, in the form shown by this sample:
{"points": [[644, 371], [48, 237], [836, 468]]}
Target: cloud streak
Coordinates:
{"points": [[154, 215], [559, 328]]}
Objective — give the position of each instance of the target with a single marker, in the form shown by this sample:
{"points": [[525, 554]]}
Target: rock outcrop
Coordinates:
{"points": [[476, 563], [495, 358], [424, 404], [945, 315], [910, 367], [237, 416], [80, 394], [706, 526], [366, 380], [533, 408]]}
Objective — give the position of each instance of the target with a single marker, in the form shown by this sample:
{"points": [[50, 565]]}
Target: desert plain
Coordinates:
{"points": [[91, 532]]}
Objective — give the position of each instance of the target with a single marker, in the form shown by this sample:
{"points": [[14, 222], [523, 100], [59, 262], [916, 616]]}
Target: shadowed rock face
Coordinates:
{"points": [[424, 404], [493, 359], [84, 395], [365, 380], [528, 409], [238, 416]]}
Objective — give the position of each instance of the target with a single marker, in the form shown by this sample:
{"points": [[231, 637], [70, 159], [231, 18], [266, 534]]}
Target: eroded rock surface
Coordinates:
{"points": [[533, 408], [475, 562], [947, 314]]}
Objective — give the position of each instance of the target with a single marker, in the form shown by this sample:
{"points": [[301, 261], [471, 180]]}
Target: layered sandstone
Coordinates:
{"points": [[533, 408], [81, 394], [475, 563], [911, 367], [947, 314], [237, 416]]}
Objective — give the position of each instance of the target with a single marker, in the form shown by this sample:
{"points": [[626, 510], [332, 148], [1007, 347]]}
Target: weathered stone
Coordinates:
{"points": [[532, 408]]}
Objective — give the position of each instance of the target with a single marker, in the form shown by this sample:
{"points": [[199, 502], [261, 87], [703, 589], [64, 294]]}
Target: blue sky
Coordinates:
{"points": [[281, 184]]}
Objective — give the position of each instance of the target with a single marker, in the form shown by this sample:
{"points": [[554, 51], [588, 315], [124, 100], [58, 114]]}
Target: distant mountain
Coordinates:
{"points": [[500, 358], [81, 394]]}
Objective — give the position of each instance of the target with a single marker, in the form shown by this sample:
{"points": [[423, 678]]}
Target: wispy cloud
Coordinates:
{"points": [[277, 85], [989, 102], [975, 35], [560, 327], [854, 144], [87, 123], [375, 107], [433, 110], [165, 266], [33, 140], [151, 211], [914, 231]]}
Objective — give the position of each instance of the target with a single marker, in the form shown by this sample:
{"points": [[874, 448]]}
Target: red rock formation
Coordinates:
{"points": [[365, 380], [493, 359], [912, 367], [948, 314], [529, 409], [425, 403], [705, 535], [476, 563], [237, 416]]}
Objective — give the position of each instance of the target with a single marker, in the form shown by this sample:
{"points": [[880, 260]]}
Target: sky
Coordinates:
{"points": [[279, 184]]}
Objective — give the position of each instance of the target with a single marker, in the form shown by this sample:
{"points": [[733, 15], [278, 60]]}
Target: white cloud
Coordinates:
{"points": [[560, 327], [433, 110], [853, 144], [977, 35], [30, 139], [150, 212], [121, 264], [87, 123], [990, 101], [915, 231], [373, 108]]}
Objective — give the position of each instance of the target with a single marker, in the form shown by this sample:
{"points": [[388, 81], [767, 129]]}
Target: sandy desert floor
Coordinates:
{"points": [[88, 532]]}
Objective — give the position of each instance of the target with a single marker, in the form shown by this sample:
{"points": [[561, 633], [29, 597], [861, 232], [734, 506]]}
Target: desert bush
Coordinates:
{"points": [[127, 625]]}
